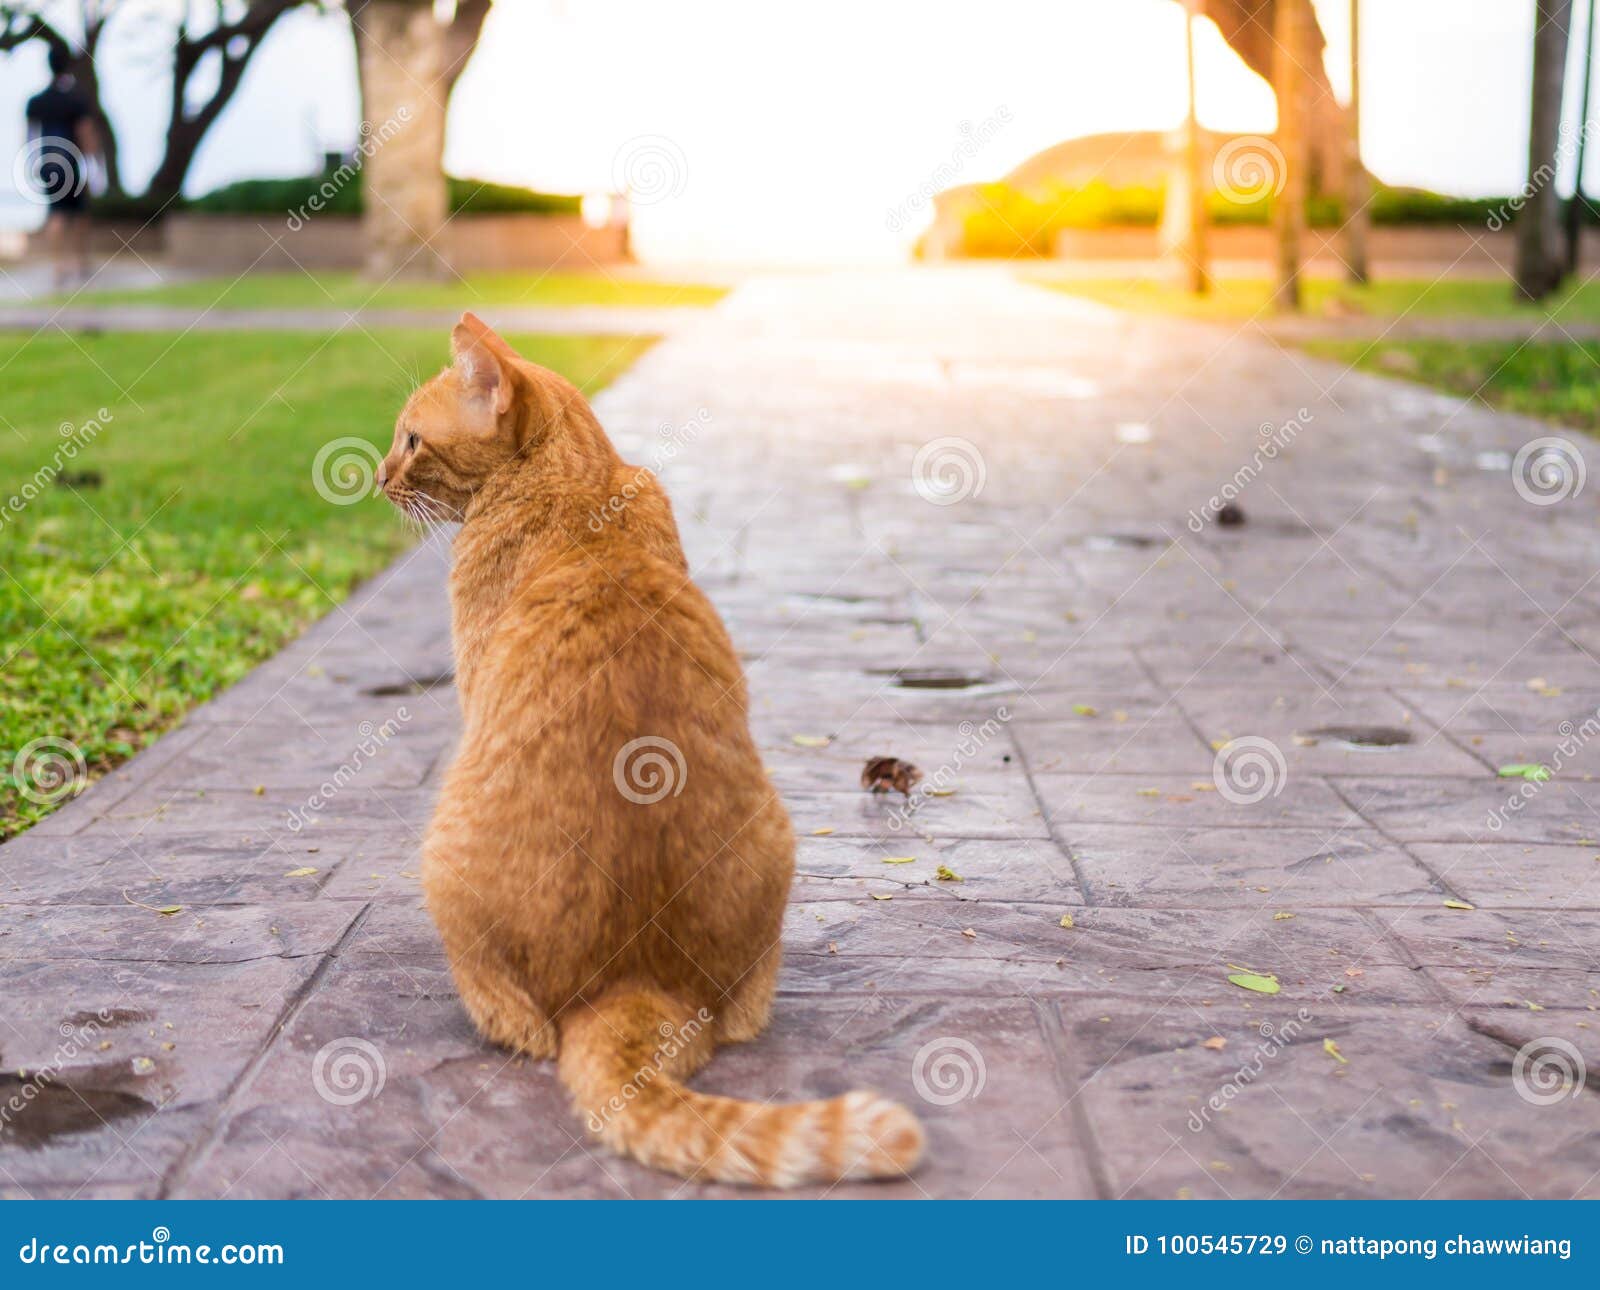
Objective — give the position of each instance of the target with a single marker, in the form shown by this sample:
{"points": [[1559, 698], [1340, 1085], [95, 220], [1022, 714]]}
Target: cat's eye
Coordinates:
{"points": [[412, 441]]}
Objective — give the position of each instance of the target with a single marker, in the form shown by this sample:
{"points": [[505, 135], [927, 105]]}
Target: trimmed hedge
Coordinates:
{"points": [[1009, 221], [281, 196]]}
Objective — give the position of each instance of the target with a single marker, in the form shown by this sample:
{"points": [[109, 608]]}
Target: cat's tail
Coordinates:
{"points": [[624, 1057]]}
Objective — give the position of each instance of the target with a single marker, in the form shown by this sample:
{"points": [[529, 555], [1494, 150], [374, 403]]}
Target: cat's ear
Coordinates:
{"points": [[480, 361]]}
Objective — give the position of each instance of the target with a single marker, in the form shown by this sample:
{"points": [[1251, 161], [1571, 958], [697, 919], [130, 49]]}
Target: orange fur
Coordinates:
{"points": [[627, 937]]}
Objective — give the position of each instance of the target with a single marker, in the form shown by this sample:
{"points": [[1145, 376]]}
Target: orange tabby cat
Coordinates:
{"points": [[608, 863]]}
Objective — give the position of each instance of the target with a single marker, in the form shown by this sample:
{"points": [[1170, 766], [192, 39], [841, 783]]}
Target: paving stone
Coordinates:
{"points": [[999, 813], [1476, 810], [1301, 802], [1421, 1106], [1100, 745], [1501, 707], [910, 946], [279, 757], [456, 1117], [141, 1053], [1514, 874], [1032, 869], [1222, 867], [1533, 960], [1087, 650], [282, 815]]}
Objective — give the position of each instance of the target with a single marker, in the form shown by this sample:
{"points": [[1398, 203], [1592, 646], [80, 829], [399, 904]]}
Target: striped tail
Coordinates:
{"points": [[624, 1059]]}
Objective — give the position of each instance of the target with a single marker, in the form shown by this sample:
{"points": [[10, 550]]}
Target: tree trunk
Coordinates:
{"points": [[1540, 263], [1290, 52], [1577, 207], [1357, 189], [1199, 270], [401, 48]]}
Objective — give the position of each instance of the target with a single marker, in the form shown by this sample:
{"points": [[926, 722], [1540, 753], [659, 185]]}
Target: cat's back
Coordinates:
{"points": [[618, 627]]}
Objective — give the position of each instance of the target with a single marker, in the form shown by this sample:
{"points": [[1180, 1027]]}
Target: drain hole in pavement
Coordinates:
{"points": [[50, 1110], [1362, 736], [930, 678], [413, 685]]}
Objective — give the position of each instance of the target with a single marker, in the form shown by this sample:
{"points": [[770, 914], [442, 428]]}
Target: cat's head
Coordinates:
{"points": [[458, 429]]}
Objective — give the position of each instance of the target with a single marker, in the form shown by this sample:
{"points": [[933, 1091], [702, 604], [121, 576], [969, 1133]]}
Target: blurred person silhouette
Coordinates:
{"points": [[62, 138]]}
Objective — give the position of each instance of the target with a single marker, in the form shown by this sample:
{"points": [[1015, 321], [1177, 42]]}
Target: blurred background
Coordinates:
{"points": [[234, 232], [793, 134]]}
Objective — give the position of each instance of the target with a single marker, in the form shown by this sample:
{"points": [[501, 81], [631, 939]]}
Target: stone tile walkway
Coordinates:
{"points": [[965, 522]]}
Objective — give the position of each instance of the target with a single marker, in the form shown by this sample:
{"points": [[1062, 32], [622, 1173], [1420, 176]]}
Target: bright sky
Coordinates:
{"points": [[791, 132]]}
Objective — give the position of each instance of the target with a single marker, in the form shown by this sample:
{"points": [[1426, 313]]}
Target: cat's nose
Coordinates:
{"points": [[383, 474]]}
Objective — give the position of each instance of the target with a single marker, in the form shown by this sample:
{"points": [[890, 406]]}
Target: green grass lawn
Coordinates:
{"points": [[1559, 380], [348, 291], [1232, 300], [185, 540]]}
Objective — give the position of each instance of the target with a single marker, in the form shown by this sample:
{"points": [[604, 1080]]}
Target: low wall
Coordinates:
{"points": [[263, 244], [110, 237]]}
